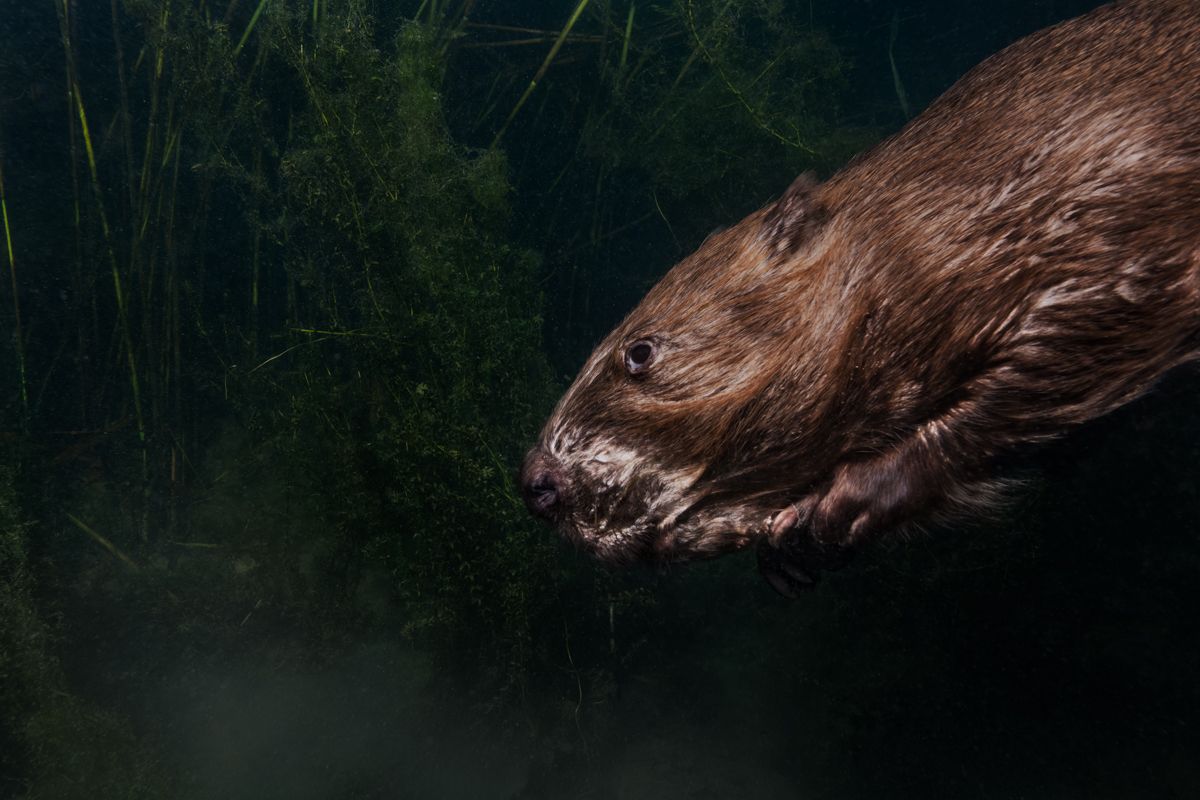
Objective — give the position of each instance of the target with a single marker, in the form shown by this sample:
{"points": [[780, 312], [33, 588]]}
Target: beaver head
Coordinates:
{"points": [[667, 446]]}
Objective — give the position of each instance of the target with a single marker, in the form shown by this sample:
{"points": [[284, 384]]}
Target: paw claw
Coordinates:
{"points": [[783, 522], [784, 572]]}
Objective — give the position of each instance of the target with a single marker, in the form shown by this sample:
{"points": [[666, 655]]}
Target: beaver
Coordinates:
{"points": [[854, 358]]}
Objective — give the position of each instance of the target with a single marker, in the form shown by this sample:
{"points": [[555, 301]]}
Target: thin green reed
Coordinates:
{"points": [[558, 43], [254, 21], [75, 93], [18, 337]]}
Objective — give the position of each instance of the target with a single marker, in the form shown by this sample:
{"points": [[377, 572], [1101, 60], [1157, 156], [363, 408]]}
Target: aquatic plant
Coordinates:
{"points": [[417, 374], [301, 343], [295, 347]]}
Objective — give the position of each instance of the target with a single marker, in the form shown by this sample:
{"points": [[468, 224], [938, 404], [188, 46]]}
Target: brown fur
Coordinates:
{"points": [[1023, 257]]}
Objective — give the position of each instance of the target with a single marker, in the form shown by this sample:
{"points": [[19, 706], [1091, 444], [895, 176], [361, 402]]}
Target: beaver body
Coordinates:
{"points": [[1023, 257]]}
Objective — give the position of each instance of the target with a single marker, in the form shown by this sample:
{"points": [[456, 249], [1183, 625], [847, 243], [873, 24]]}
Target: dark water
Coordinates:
{"points": [[295, 285]]}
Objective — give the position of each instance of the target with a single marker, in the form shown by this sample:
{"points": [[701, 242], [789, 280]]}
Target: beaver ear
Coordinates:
{"points": [[794, 218]]}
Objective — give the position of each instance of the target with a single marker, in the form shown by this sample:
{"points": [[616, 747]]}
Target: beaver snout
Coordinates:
{"points": [[543, 484]]}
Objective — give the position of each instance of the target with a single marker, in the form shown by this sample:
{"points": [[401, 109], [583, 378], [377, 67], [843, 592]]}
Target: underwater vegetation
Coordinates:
{"points": [[290, 284]]}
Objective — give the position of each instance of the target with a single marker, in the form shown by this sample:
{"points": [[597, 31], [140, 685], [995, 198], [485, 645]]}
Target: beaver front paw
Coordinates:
{"points": [[792, 561], [863, 499]]}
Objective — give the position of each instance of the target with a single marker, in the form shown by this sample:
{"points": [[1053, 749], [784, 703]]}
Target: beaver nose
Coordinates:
{"points": [[542, 484]]}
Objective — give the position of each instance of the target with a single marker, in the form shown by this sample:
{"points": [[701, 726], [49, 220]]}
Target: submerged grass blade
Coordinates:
{"points": [[625, 44], [558, 43], [254, 21], [104, 542], [897, 84], [19, 341], [122, 314]]}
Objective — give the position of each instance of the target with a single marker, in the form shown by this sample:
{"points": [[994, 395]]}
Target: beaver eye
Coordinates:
{"points": [[639, 356]]}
